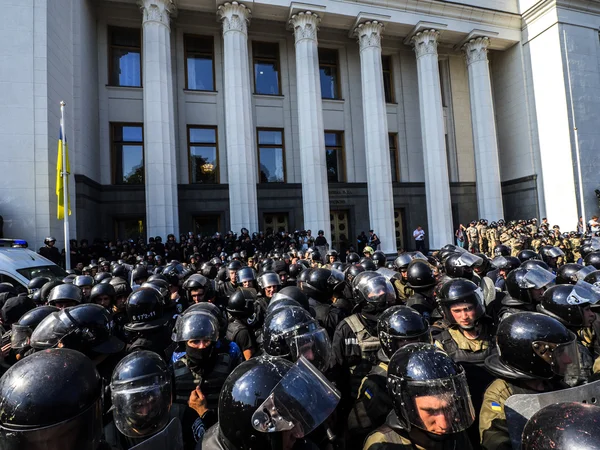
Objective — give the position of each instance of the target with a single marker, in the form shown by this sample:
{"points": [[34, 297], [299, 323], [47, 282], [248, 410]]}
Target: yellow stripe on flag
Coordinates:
{"points": [[59, 179]]}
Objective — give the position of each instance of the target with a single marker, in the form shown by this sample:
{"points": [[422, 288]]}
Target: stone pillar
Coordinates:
{"points": [[437, 185], [313, 164], [162, 212], [379, 175], [242, 165], [487, 166]]}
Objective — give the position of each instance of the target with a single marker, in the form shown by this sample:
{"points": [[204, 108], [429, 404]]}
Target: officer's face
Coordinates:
{"points": [[247, 284], [270, 291], [588, 316], [537, 294], [199, 343], [197, 295], [331, 259], [103, 300], [86, 290], [464, 314], [433, 411], [121, 301], [64, 304]]}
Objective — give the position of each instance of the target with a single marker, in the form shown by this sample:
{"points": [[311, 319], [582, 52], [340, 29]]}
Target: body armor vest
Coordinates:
{"points": [[369, 346]]}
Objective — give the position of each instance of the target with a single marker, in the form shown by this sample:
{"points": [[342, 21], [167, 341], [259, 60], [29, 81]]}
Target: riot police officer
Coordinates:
{"points": [[241, 309], [85, 283], [199, 289], [64, 295], [49, 251], [432, 402], [421, 279]]}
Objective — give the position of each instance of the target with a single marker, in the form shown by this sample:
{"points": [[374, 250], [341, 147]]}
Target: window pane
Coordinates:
{"points": [[265, 50], [126, 67], [266, 137], [266, 78], [131, 134], [393, 167], [328, 56], [387, 87], [203, 136], [196, 44], [333, 166], [125, 37], [271, 165], [203, 162], [328, 82], [332, 140], [200, 73], [132, 163]]}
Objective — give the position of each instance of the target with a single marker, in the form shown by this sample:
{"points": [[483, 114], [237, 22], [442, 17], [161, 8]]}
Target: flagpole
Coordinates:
{"points": [[65, 176]]}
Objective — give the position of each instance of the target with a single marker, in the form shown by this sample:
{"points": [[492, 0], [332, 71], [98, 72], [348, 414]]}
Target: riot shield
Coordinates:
{"points": [[170, 437], [519, 408]]}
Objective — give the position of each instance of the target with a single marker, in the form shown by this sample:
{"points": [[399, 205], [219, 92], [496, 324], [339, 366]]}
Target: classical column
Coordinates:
{"points": [[437, 185], [162, 212], [242, 165], [379, 175], [487, 167], [313, 164]]}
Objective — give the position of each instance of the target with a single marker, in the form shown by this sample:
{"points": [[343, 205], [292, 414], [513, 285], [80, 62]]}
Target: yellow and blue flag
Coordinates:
{"points": [[60, 185]]}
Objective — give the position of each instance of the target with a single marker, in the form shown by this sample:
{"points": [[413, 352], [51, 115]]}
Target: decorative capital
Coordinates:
{"points": [[156, 11], [368, 34], [305, 25], [425, 42], [476, 50], [235, 17]]}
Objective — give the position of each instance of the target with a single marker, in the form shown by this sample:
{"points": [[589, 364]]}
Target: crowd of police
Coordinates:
{"points": [[292, 348]]}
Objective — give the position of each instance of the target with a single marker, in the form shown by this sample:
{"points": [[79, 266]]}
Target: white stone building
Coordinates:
{"points": [[196, 115]]}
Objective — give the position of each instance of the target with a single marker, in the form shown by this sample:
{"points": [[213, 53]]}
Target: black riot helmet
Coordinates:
{"points": [[121, 286], [65, 413], [460, 265], [120, 271], [402, 261], [368, 264], [372, 292], [295, 270], [419, 373], [564, 426], [379, 258], [196, 281], [241, 303], [566, 303], [593, 259], [317, 285], [245, 274], [139, 274], [101, 290], [533, 346], [292, 333], [461, 291], [213, 309], [145, 306], [209, 270], [501, 250], [593, 278], [533, 263], [47, 288], [506, 263], [550, 254], [419, 275], [37, 283], [352, 271], [267, 279], [101, 276], [566, 274], [234, 265], [22, 330], [197, 325], [352, 258], [290, 293], [83, 280], [65, 294], [85, 328], [527, 254], [400, 325], [520, 283], [141, 394]]}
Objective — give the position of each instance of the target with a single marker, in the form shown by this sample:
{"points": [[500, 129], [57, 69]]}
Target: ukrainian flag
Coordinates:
{"points": [[60, 185]]}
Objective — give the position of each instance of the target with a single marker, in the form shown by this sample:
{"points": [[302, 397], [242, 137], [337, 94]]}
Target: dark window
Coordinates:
{"points": [[130, 228], [199, 63], [334, 148], [128, 153], [271, 156], [328, 68], [393, 137], [266, 68], [204, 161], [125, 57], [388, 79]]}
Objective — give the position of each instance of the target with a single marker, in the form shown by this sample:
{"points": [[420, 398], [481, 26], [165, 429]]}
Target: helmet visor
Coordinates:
{"points": [[141, 407], [336, 277], [469, 260], [20, 336], [441, 406], [245, 274], [566, 359], [378, 290], [581, 274], [315, 346], [500, 262], [595, 244], [269, 279], [555, 252], [197, 325], [537, 278], [419, 255], [300, 402], [584, 293], [50, 331]]}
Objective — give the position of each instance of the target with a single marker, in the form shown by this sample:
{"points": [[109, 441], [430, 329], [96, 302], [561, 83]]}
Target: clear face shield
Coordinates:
{"points": [[50, 331], [581, 274], [467, 259], [299, 403], [378, 291], [584, 293], [197, 325], [313, 345], [441, 406], [537, 278], [141, 406], [555, 252], [564, 359], [20, 336]]}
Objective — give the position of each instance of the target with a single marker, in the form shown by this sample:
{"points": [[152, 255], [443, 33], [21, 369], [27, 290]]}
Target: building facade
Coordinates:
{"points": [[345, 116]]}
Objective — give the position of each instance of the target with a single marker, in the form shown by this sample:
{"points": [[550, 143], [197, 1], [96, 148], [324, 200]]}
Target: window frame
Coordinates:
{"points": [[342, 147], [185, 61], [110, 28], [338, 86], [390, 71], [394, 137], [113, 151], [269, 60], [259, 146], [190, 145]]}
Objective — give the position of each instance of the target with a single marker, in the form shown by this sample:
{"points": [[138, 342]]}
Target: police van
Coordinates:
{"points": [[18, 264]]}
